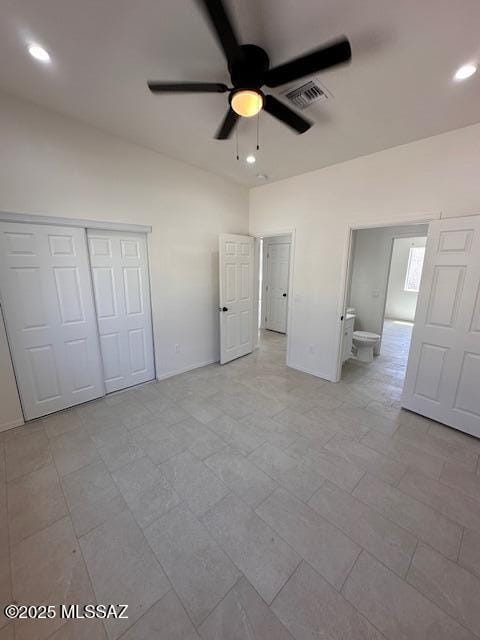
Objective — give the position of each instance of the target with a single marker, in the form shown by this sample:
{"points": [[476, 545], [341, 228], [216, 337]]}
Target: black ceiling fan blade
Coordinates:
{"points": [[286, 115], [225, 129], [338, 52], [187, 87], [223, 27]]}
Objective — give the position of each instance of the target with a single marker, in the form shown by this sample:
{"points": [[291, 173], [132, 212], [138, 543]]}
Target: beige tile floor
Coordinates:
{"points": [[246, 501]]}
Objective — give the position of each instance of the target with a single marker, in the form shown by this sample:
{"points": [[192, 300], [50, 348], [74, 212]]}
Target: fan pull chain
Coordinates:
{"points": [[236, 138], [258, 125]]}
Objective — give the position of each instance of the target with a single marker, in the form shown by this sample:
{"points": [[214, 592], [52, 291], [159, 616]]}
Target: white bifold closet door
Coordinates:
{"points": [[119, 264], [50, 317]]}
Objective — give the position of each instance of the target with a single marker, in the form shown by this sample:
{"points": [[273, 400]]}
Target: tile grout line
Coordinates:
{"points": [[9, 547], [228, 555], [197, 518], [77, 541], [418, 449], [435, 604], [127, 508], [361, 548], [221, 600], [411, 559], [157, 559], [460, 546], [402, 526], [357, 543], [457, 522], [450, 617], [354, 563], [360, 479]]}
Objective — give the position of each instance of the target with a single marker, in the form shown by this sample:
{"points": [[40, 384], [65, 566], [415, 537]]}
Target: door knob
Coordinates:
{"points": [[223, 309], [284, 295]]}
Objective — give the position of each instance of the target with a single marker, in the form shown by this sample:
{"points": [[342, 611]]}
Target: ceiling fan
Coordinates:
{"points": [[249, 68]]}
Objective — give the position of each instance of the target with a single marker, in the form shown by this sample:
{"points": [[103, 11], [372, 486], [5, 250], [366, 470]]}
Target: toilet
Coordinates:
{"points": [[364, 344]]}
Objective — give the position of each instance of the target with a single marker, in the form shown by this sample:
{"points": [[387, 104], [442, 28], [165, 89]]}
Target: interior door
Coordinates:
{"points": [[49, 313], [119, 263], [236, 296], [443, 373], [276, 287]]}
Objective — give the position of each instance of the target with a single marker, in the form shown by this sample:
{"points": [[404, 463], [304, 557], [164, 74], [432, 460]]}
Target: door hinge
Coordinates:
{"points": [[266, 287]]}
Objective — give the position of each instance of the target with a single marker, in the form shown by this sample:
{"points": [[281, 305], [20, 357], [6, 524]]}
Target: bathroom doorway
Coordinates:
{"points": [[383, 281]]}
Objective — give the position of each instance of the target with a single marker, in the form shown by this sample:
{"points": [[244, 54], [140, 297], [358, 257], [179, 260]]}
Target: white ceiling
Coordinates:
{"points": [[398, 88]]}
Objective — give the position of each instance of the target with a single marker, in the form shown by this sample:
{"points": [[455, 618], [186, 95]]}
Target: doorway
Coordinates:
{"points": [[275, 253], [385, 268], [250, 267], [276, 270]]}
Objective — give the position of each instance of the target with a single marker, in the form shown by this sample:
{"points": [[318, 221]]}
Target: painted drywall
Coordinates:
{"points": [[422, 180], [10, 410], [401, 304], [54, 165], [370, 272]]}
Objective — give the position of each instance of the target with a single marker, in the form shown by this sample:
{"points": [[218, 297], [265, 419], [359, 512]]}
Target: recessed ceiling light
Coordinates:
{"points": [[250, 159], [465, 72], [39, 53]]}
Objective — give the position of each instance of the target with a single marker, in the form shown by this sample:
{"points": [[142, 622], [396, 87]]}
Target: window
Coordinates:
{"points": [[414, 269]]}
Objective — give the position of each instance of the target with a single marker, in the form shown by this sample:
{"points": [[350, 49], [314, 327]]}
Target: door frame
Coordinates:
{"points": [[260, 235], [350, 227], [85, 223]]}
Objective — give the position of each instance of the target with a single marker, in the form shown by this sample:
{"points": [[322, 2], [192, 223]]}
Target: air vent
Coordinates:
{"points": [[305, 95]]}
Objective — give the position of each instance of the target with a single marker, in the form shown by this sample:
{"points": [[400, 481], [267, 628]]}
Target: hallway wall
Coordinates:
{"points": [[370, 272], [401, 304]]}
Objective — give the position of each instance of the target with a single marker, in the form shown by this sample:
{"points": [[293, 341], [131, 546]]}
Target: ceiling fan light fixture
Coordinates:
{"points": [[246, 102]]}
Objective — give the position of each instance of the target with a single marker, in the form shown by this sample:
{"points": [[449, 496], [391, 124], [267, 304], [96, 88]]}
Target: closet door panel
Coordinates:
{"points": [[122, 297], [48, 305]]}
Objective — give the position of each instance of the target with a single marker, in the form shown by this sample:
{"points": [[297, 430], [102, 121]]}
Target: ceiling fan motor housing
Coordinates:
{"points": [[248, 72]]}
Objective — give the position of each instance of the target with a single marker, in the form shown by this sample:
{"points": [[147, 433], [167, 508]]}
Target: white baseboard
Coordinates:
{"points": [[11, 425], [317, 374], [177, 372]]}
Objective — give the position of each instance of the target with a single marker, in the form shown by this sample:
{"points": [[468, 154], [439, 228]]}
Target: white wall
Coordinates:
{"points": [[438, 175], [401, 304], [370, 273], [54, 165]]}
